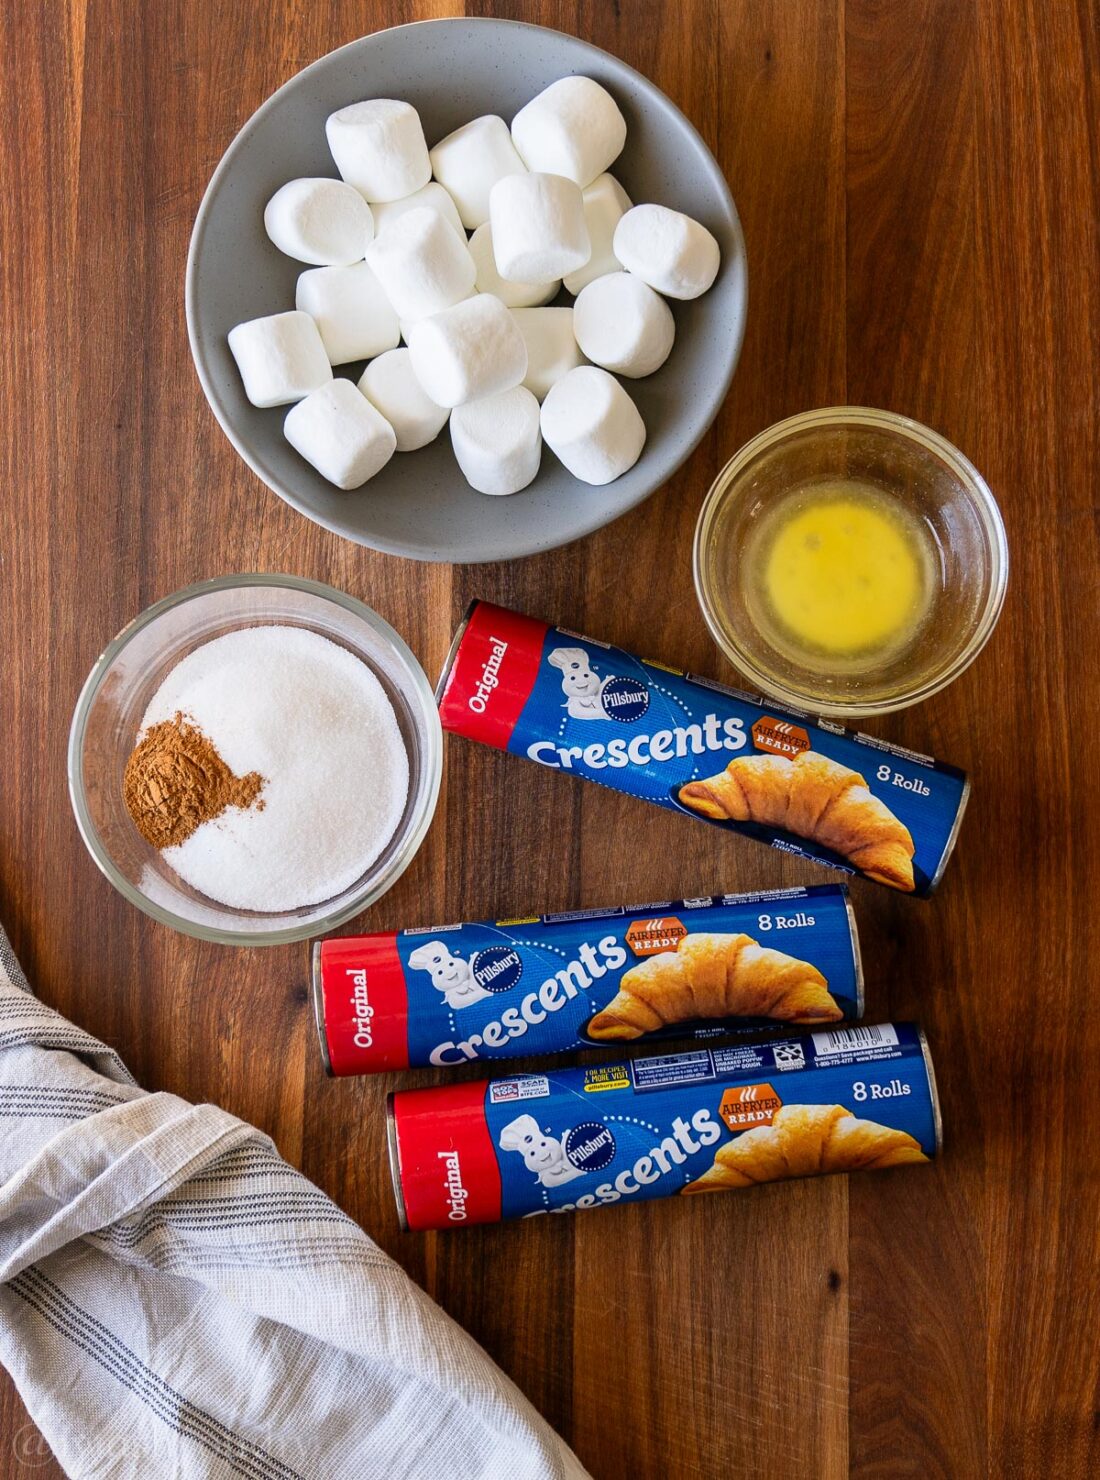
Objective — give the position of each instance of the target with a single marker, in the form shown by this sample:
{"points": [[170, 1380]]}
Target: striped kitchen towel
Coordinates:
{"points": [[177, 1301]]}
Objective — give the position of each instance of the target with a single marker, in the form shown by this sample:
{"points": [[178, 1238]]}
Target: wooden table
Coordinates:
{"points": [[918, 182]]}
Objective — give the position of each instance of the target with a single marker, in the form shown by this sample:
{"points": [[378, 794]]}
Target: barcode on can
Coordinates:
{"points": [[844, 1040]]}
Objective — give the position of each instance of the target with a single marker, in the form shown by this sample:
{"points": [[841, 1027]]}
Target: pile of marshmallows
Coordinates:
{"points": [[391, 261]]}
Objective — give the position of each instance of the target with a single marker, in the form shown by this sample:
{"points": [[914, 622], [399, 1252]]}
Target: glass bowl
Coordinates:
{"points": [[935, 485], [109, 712]]}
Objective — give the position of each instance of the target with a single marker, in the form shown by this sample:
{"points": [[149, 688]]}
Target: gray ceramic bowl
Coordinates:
{"points": [[452, 71]]}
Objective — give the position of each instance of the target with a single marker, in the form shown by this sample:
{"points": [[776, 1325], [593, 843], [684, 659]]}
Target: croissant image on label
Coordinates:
{"points": [[807, 1141], [815, 798], [714, 976]]}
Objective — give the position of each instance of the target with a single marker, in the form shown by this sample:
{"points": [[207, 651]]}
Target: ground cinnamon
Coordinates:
{"points": [[175, 780]]}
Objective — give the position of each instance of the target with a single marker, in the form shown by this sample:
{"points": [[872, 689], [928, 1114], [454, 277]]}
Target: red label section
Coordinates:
{"points": [[448, 1166], [494, 670], [366, 1006]]}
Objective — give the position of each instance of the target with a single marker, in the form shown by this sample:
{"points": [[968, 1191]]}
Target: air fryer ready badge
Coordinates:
{"points": [[496, 990], [707, 1120], [586, 709]]}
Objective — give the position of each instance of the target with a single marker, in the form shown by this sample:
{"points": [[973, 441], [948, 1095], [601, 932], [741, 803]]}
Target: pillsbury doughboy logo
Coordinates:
{"points": [[542, 1152], [588, 696], [554, 1160], [451, 976], [497, 968]]}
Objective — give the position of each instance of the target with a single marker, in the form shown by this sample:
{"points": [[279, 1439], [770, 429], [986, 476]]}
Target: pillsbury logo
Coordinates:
{"points": [[497, 968], [588, 696], [624, 699], [590, 1146]]}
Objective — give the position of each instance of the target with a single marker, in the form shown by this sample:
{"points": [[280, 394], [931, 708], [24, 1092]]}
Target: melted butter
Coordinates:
{"points": [[840, 570]]}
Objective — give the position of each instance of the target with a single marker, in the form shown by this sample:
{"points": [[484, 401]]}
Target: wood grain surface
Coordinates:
{"points": [[918, 182]]}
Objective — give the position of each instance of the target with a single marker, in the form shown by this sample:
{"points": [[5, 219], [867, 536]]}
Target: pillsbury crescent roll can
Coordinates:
{"points": [[707, 1120], [497, 989], [809, 787]]}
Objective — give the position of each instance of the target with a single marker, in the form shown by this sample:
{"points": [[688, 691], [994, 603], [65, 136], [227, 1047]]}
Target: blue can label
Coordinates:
{"points": [[697, 968], [576, 706], [708, 1120]]}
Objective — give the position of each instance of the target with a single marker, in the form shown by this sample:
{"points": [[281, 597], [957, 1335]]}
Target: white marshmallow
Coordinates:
{"points": [[341, 434], [573, 128], [512, 295], [353, 314], [469, 351], [592, 425], [605, 201], [667, 250], [470, 161], [281, 358], [390, 385], [379, 147], [431, 195], [623, 325], [421, 264], [538, 227], [552, 349], [497, 441], [321, 221]]}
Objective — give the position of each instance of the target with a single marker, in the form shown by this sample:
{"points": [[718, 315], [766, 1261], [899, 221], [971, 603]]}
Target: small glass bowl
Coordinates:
{"points": [[118, 690], [934, 482]]}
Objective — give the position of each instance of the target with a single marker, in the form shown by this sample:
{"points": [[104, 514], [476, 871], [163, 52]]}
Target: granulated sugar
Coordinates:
{"points": [[317, 725]]}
